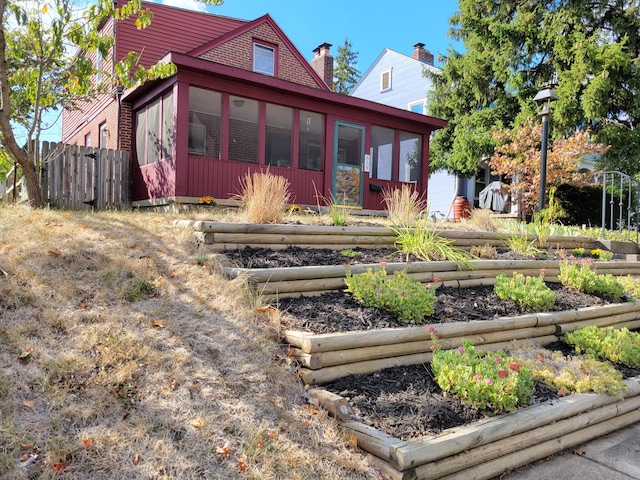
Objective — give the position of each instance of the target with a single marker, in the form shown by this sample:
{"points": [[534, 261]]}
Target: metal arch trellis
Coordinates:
{"points": [[620, 184]]}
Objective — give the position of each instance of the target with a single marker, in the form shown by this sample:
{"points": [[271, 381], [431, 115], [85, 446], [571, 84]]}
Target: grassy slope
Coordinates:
{"points": [[124, 358]]}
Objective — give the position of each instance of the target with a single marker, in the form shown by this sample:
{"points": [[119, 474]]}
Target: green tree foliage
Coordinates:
{"points": [[590, 48], [46, 52], [345, 73], [517, 155]]}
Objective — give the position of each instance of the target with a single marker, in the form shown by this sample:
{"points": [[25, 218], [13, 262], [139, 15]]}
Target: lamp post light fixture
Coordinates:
{"points": [[544, 97]]}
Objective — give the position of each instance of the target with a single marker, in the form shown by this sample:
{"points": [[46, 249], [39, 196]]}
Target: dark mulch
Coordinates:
{"points": [[404, 402]]}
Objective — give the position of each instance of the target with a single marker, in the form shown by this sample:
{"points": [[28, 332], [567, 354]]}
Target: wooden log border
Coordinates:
{"points": [[274, 283], [223, 236], [328, 357], [482, 450], [486, 449]]}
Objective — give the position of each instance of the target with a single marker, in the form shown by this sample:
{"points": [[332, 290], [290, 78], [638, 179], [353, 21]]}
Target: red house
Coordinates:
{"points": [[244, 98]]}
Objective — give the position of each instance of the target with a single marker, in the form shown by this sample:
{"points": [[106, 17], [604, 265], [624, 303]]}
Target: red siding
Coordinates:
{"points": [[157, 180], [172, 29], [221, 179]]}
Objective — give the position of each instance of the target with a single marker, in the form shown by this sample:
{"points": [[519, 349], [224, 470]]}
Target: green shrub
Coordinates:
{"points": [[406, 297], [581, 278], [493, 381], [530, 293], [615, 345]]}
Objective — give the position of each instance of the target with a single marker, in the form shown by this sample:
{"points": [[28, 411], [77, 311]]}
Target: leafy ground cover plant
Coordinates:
{"points": [[426, 244], [491, 381], [264, 196], [631, 285], [580, 277], [530, 293], [600, 254], [406, 297], [405, 205], [570, 373], [350, 252], [616, 345]]}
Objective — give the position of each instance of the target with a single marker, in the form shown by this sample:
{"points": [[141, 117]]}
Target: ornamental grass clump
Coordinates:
{"points": [[405, 205], [615, 345], [426, 244], [264, 196], [580, 277], [400, 294], [491, 381], [530, 293]]}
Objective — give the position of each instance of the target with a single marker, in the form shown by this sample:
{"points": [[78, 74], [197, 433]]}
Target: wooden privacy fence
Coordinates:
{"points": [[79, 178]]}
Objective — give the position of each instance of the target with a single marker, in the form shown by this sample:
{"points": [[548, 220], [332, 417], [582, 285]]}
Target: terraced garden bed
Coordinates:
{"points": [[332, 350]]}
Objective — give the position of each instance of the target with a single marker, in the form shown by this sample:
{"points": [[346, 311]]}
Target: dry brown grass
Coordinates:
{"points": [[482, 219], [405, 206], [125, 357], [264, 196]]}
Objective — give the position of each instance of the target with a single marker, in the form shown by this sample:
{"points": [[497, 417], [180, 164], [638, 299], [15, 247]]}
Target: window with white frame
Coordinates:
{"points": [[98, 66], [385, 80], [264, 59], [419, 106], [102, 137]]}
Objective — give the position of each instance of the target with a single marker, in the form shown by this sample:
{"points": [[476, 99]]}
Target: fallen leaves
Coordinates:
{"points": [[199, 423], [29, 403], [59, 466], [137, 458], [268, 309], [54, 253], [86, 443], [26, 353], [225, 450]]}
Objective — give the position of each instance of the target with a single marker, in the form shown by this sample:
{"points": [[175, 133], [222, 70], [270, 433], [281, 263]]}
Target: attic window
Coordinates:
{"points": [[385, 80], [264, 59]]}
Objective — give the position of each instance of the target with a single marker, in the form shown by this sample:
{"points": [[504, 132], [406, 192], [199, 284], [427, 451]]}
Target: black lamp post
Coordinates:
{"points": [[544, 97]]}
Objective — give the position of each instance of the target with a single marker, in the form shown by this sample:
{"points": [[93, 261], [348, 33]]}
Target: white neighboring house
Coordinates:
{"points": [[397, 80]]}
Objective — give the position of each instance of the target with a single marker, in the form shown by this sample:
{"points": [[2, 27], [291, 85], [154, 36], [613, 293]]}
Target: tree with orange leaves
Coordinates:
{"points": [[517, 156]]}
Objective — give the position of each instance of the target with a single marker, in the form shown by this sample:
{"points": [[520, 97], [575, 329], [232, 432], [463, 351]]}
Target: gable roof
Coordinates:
{"points": [[277, 86], [400, 56], [249, 26], [172, 29]]}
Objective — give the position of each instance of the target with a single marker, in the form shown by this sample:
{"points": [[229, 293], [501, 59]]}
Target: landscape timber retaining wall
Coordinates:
{"points": [[488, 448], [224, 236], [330, 356], [314, 280]]}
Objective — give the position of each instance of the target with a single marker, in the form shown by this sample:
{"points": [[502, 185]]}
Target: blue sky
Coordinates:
{"points": [[370, 26]]}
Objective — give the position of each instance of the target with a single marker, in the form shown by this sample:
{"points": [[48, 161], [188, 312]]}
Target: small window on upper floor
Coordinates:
{"points": [[385, 80], [264, 59], [87, 140], [98, 66], [418, 107], [103, 134]]}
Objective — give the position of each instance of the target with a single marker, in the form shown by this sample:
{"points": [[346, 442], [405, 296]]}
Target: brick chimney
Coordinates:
{"points": [[322, 63], [419, 53]]}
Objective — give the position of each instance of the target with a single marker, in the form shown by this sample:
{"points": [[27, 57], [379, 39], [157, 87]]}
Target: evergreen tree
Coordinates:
{"points": [[345, 73], [588, 49]]}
